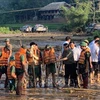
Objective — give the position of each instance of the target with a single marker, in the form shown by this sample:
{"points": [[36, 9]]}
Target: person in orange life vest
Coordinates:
{"points": [[21, 63], [11, 74], [30, 65], [84, 63], [49, 59], [5, 54], [37, 64], [30, 54]]}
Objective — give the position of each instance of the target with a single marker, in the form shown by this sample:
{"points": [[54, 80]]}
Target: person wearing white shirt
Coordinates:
{"points": [[93, 42], [94, 56], [76, 55]]}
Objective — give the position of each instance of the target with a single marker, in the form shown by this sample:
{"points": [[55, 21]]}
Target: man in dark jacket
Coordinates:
{"points": [[68, 60]]}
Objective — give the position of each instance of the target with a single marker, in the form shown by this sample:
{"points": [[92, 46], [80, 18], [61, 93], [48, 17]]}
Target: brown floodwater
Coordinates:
{"points": [[93, 93], [52, 94]]}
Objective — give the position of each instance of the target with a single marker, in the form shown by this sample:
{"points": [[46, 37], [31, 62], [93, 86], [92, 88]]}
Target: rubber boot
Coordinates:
{"points": [[85, 83]]}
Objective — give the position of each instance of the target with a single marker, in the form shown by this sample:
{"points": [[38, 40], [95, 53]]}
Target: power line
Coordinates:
{"points": [[12, 11]]}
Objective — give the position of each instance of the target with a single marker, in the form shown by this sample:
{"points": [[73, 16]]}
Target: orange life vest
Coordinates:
{"points": [[17, 57], [49, 56], [37, 53], [29, 58], [4, 57], [11, 64], [82, 56]]}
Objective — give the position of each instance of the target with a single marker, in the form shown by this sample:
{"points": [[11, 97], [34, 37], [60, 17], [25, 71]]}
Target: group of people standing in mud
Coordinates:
{"points": [[80, 63]]}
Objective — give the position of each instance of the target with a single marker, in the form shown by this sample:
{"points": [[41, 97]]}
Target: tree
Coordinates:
{"points": [[76, 17]]}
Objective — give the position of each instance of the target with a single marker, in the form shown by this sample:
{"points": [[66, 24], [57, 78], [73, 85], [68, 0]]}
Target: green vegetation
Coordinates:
{"points": [[77, 17], [96, 33], [51, 26], [6, 30]]}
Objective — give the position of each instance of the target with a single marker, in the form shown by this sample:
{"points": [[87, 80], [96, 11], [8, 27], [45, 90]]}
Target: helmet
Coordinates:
{"points": [[82, 44], [86, 41], [7, 39], [47, 46], [12, 58]]}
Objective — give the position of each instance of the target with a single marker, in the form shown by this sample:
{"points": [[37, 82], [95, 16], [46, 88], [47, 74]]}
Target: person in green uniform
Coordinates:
{"points": [[11, 74], [49, 59]]}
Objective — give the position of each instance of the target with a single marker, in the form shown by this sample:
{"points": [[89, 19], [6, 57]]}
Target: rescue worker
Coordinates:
{"points": [[11, 74], [84, 64], [5, 54], [29, 55], [70, 70], [49, 59], [37, 65], [21, 63], [34, 68]]}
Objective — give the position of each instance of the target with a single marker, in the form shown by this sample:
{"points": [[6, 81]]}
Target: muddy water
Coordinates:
{"points": [[50, 93]]}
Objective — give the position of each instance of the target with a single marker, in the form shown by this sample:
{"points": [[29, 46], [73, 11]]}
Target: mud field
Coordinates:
{"points": [[53, 39], [56, 40]]}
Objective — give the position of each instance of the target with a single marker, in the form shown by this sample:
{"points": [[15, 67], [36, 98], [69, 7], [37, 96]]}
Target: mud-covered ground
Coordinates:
{"points": [[92, 93], [56, 40], [53, 39]]}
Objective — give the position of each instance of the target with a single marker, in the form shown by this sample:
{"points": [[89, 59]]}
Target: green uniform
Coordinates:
{"points": [[50, 68]]}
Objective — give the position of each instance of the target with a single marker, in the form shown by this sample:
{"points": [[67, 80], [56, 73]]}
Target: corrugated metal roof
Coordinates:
{"points": [[54, 6]]}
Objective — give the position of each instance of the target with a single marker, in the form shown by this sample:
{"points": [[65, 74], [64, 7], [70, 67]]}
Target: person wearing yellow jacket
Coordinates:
{"points": [[11, 74]]}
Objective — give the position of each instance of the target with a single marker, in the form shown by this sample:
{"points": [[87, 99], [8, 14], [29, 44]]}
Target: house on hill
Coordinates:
{"points": [[51, 11]]}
